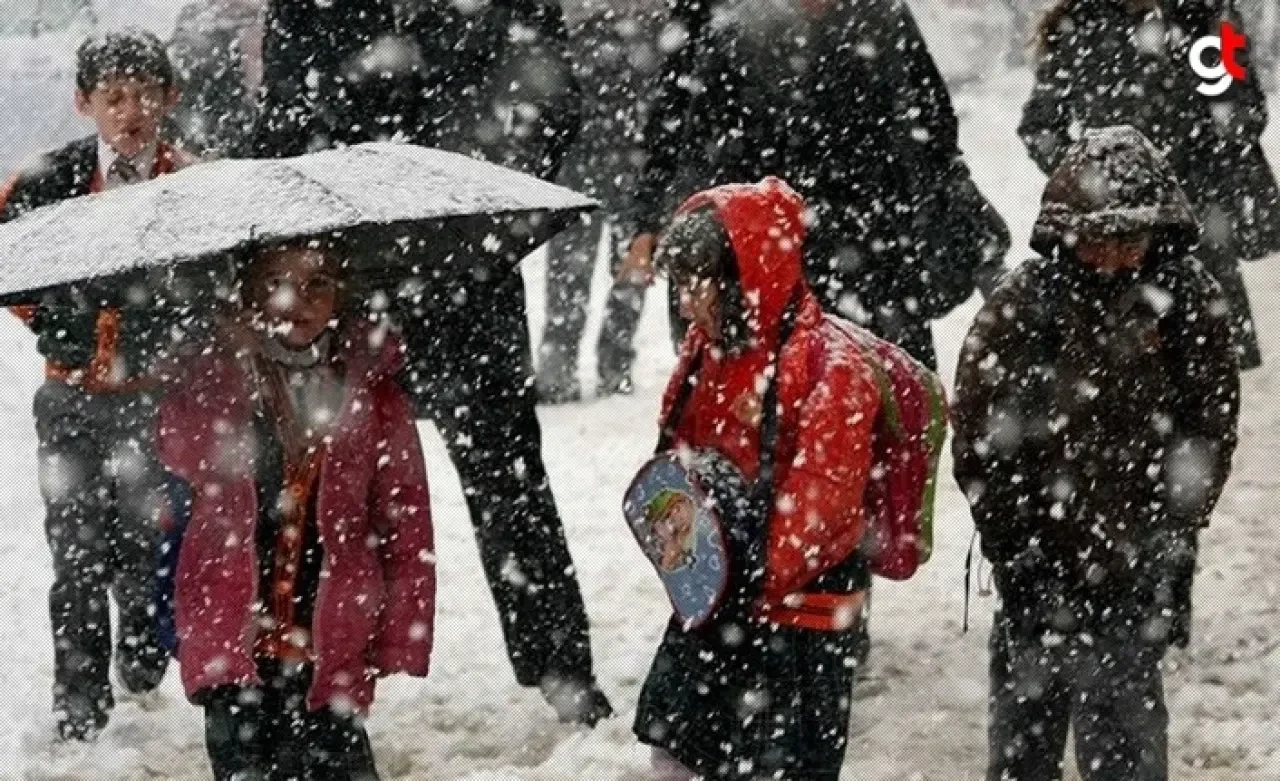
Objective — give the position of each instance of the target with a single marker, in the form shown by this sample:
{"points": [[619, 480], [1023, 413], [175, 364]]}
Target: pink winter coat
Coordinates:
{"points": [[375, 607]]}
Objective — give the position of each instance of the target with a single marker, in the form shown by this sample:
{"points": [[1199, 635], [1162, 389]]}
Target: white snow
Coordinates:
{"points": [[922, 716]]}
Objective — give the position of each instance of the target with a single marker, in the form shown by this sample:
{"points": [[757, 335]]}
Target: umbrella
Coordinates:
{"points": [[406, 208]]}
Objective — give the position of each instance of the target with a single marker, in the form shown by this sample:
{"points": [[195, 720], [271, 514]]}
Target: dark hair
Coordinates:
{"points": [[131, 53], [1051, 24], [696, 246]]}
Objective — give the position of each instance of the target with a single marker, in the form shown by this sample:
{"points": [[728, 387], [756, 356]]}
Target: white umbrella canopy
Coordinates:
{"points": [[402, 207]]}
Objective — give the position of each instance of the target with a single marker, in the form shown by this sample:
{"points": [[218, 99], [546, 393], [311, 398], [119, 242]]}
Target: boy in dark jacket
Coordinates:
{"points": [[1097, 401], [93, 415], [763, 689]]}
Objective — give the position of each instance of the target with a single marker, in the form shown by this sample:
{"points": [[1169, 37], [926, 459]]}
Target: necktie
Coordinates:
{"points": [[124, 171]]}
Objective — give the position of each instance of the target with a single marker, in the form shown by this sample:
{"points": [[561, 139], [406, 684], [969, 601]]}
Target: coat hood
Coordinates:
{"points": [[1112, 182], [766, 230]]}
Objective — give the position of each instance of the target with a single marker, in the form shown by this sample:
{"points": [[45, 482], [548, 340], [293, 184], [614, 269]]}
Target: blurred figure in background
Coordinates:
{"points": [[616, 57], [217, 51], [843, 100], [1108, 62]]}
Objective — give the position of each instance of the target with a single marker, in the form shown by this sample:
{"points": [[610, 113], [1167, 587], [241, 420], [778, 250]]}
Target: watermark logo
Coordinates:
{"points": [[1217, 78]]}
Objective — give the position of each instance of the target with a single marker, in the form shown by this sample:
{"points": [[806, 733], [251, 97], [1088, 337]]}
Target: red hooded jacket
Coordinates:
{"points": [[827, 394], [375, 608]]}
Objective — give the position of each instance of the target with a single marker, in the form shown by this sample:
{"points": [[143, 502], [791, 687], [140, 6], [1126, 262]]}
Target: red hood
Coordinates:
{"points": [[765, 224]]}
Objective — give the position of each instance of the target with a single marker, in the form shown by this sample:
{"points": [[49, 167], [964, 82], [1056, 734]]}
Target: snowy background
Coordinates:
{"points": [[920, 717]]}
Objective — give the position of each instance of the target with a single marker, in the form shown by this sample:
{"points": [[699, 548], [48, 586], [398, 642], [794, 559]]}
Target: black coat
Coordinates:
{"points": [[1095, 417], [315, 94], [157, 308], [1093, 72], [496, 84], [850, 110]]}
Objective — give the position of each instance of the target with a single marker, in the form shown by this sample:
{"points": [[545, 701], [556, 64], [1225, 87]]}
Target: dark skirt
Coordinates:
{"points": [[760, 702]]}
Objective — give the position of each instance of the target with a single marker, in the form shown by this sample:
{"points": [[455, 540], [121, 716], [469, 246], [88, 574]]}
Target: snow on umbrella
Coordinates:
{"points": [[404, 207]]}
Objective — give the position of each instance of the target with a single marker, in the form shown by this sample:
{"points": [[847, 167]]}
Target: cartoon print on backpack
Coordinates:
{"points": [[680, 529]]}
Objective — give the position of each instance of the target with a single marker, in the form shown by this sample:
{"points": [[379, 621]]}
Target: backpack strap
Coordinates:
{"points": [[770, 414]]}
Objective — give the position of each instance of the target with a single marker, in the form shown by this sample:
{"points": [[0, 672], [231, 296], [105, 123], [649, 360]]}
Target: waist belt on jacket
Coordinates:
{"points": [[819, 611]]}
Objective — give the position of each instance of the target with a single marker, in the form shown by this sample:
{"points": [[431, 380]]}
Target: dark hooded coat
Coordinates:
{"points": [[847, 106], [1095, 415], [1103, 65]]}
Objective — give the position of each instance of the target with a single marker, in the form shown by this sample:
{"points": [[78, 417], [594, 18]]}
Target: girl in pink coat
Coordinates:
{"points": [[306, 569]]}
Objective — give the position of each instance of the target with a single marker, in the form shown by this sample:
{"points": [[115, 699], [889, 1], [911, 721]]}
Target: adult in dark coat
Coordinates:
{"points": [[616, 59], [495, 84], [843, 100], [1105, 62], [1095, 421]]}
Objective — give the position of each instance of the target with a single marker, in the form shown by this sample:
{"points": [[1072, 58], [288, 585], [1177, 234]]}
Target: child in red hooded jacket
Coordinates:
{"points": [[306, 569], [763, 690]]}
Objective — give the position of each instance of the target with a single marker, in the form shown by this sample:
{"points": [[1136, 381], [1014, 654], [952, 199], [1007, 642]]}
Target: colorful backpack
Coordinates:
{"points": [[908, 445]]}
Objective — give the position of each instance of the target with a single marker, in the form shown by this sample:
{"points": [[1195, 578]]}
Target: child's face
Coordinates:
{"points": [[296, 293], [1114, 255], [700, 304], [127, 111]]}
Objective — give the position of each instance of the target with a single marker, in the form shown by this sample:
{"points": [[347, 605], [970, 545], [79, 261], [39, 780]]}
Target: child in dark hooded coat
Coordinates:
{"points": [[1097, 401]]}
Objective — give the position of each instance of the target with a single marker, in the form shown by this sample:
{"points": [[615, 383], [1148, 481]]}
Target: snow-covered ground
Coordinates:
{"points": [[921, 717]]}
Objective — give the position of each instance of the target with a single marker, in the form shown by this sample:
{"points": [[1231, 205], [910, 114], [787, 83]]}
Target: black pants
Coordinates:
{"points": [[1107, 689], [571, 263], [470, 373], [101, 485], [268, 734]]}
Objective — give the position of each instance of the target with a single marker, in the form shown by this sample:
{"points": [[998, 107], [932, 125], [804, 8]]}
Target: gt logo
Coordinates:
{"points": [[1217, 78]]}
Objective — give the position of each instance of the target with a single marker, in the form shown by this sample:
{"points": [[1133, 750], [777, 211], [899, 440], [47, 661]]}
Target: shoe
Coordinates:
{"points": [[80, 719], [576, 701], [618, 384], [557, 391], [557, 378], [141, 670]]}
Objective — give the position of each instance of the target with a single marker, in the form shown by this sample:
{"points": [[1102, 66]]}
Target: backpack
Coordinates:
{"points": [[908, 445]]}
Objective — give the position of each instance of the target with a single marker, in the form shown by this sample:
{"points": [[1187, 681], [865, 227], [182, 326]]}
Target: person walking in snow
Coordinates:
{"points": [[1095, 419], [1107, 62], [783, 397], [496, 84], [217, 52], [616, 58], [305, 567], [843, 100], [98, 474]]}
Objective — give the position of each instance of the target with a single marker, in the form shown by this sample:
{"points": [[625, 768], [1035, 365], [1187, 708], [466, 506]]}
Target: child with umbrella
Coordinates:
{"points": [[292, 439]]}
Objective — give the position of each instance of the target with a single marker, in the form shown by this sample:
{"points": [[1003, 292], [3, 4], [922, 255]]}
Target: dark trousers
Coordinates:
{"points": [[267, 733], [571, 263], [470, 373], [101, 485], [1109, 691]]}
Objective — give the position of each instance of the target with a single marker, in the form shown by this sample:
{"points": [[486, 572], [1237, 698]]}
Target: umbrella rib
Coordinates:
{"points": [[329, 191]]}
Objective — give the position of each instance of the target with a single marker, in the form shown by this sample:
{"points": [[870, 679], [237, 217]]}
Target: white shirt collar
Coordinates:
{"points": [[144, 162]]}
